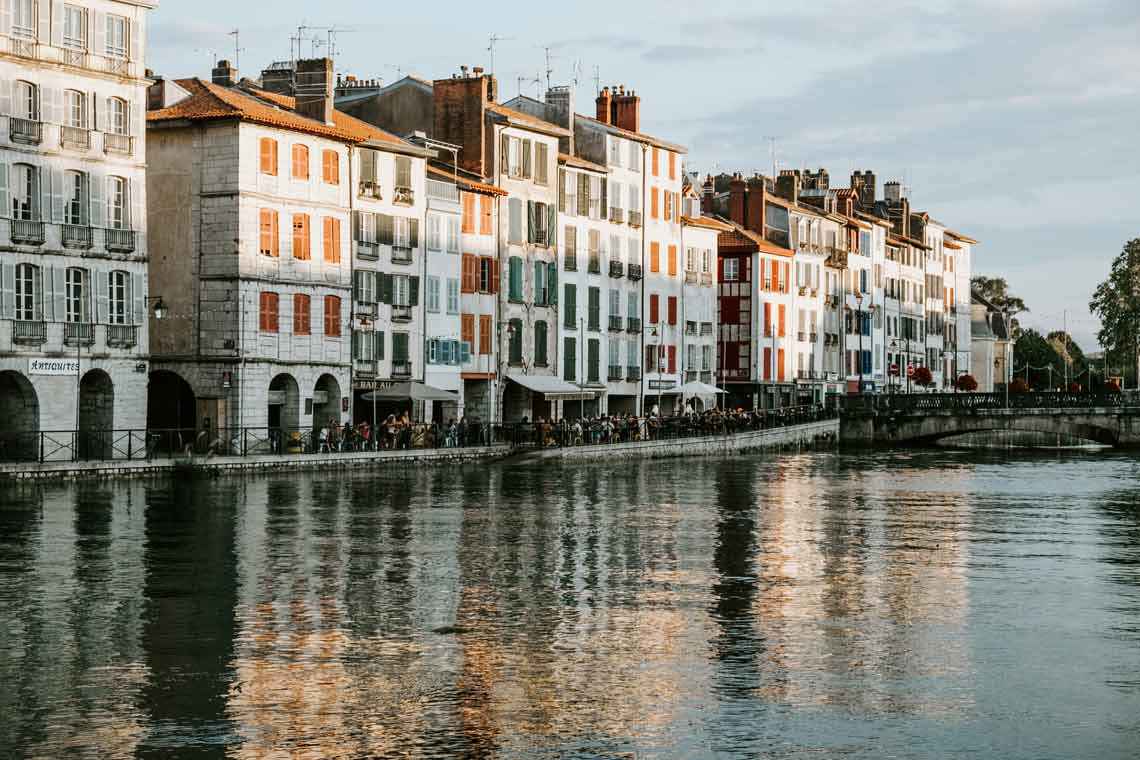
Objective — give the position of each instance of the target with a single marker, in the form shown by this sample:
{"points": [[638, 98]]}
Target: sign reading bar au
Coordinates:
{"points": [[53, 366]]}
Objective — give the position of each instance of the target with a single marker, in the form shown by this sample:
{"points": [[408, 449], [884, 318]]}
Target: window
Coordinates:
{"points": [[330, 167], [28, 300], [654, 311], [75, 27], [268, 152], [656, 161], [332, 316], [27, 101], [300, 161], [76, 295], [569, 359], [24, 18], [76, 104], [672, 261], [514, 279], [654, 256], [118, 40], [540, 353], [331, 229], [570, 307], [452, 234], [653, 203], [615, 151], [487, 275], [364, 286], [116, 116], [432, 293], [267, 313], [672, 304], [301, 238], [268, 243], [434, 232], [468, 212], [301, 314], [452, 295], [672, 165], [634, 156], [515, 341], [75, 205], [541, 161], [469, 271], [540, 284], [403, 173], [119, 298], [117, 205], [25, 192]]}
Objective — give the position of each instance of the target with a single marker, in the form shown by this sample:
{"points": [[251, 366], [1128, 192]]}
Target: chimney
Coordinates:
{"points": [[315, 89], [864, 184], [460, 107], [736, 196], [788, 185], [604, 105], [560, 110], [627, 111], [754, 208], [224, 74], [278, 79], [708, 196], [892, 193]]}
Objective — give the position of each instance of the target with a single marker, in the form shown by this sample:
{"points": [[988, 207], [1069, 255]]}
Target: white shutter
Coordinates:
{"points": [[98, 184], [5, 204], [6, 90], [45, 194], [136, 194], [136, 301], [102, 296], [43, 34], [52, 105], [5, 16], [101, 114], [134, 42], [58, 313], [134, 118], [7, 291], [98, 32], [56, 21], [57, 190]]}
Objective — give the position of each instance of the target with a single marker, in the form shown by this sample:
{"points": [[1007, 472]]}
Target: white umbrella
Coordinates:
{"points": [[699, 389]]}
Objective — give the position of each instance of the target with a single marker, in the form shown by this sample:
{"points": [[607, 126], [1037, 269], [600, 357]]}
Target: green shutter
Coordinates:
{"points": [[552, 284], [414, 232], [569, 360], [384, 229], [378, 345], [385, 288], [414, 291], [539, 277]]}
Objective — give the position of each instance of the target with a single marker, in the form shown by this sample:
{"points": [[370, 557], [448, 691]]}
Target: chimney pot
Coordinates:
{"points": [[314, 89]]}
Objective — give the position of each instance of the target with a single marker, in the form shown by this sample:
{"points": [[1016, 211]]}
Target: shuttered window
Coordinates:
{"points": [[301, 237], [469, 212], [654, 257], [540, 352], [267, 321], [301, 313], [300, 161], [268, 156], [330, 167], [485, 205], [484, 334], [332, 316], [653, 203], [467, 330], [672, 310], [470, 273], [672, 165], [331, 230], [269, 244], [541, 173], [672, 261], [654, 311]]}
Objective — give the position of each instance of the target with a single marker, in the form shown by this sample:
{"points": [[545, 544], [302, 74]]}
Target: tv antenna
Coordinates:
{"points": [[577, 71], [772, 149], [237, 48], [494, 38], [332, 32], [597, 79], [549, 71]]}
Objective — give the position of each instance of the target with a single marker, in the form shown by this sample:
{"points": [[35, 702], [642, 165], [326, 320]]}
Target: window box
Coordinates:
{"points": [[634, 218], [616, 324], [29, 333], [369, 189], [120, 241], [368, 251], [634, 325], [78, 333], [401, 313], [614, 374], [404, 196], [401, 369], [633, 374], [401, 254], [635, 271], [595, 264], [27, 233], [617, 269], [113, 143], [76, 236], [25, 131], [617, 215], [570, 263], [122, 336], [691, 278]]}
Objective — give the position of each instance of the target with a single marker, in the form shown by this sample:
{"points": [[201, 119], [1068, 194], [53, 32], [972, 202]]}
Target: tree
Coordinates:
{"points": [[996, 291], [1068, 352], [1116, 302]]}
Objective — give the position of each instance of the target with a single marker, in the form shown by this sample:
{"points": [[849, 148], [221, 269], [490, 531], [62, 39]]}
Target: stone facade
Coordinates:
{"points": [[73, 276]]}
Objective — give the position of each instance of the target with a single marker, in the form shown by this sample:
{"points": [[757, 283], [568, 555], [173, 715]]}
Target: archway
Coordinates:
{"points": [[326, 401], [284, 403], [19, 418], [96, 415], [170, 402]]}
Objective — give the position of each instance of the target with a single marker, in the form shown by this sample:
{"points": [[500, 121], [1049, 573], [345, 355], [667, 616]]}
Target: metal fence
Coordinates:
{"points": [[917, 403]]}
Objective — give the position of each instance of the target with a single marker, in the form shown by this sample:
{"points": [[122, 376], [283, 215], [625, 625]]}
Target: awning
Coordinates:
{"points": [[413, 391], [552, 388], [699, 389]]}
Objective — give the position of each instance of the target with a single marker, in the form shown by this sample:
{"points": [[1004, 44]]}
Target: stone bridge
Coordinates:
{"points": [[924, 418]]}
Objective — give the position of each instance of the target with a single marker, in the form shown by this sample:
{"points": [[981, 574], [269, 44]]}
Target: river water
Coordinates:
{"points": [[928, 605]]}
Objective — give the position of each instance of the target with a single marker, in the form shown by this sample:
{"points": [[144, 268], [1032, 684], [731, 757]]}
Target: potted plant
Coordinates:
{"points": [[967, 384]]}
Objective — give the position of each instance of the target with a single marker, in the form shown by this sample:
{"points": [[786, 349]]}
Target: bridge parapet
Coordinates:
{"points": [[941, 403]]}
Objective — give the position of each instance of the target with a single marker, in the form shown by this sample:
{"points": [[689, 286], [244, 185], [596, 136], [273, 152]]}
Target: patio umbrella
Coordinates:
{"points": [[410, 391]]}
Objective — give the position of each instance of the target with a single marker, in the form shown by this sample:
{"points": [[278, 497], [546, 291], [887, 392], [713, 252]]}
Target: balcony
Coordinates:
{"points": [[401, 368], [403, 196], [25, 131], [364, 310], [76, 236], [690, 278], [363, 369], [29, 333], [78, 333], [614, 375], [122, 336], [76, 138], [706, 376], [706, 328], [633, 374], [801, 336], [367, 250], [401, 254], [74, 57], [617, 269], [570, 262], [706, 278], [120, 241], [401, 313], [617, 215], [116, 65], [616, 324], [113, 143], [595, 264], [634, 271], [444, 191], [691, 328], [24, 48], [634, 218], [690, 376], [27, 233], [369, 189], [633, 325]]}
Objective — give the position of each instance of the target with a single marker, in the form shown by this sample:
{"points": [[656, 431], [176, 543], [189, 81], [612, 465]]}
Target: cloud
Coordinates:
{"points": [[692, 53]]}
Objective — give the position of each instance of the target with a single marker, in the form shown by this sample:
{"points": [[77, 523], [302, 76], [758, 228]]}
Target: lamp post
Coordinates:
{"points": [[1008, 352], [859, 327]]}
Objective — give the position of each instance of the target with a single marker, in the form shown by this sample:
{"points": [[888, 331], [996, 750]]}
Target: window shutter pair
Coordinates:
{"points": [[515, 233], [539, 283], [672, 359], [541, 159], [531, 222], [413, 291], [672, 310], [570, 312], [384, 229], [551, 225], [605, 209], [569, 360], [515, 278], [552, 284], [583, 195], [526, 159]]}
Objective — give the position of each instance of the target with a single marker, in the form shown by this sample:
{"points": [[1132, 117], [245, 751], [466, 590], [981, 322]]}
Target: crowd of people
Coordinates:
{"points": [[400, 432]]}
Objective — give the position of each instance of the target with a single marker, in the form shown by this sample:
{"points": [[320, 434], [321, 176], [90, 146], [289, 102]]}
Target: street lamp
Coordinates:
{"points": [[1008, 352], [159, 307], [859, 327]]}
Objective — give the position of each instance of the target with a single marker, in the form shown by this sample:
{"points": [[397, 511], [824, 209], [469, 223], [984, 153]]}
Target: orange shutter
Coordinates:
{"points": [[494, 275], [656, 164], [767, 363], [300, 314], [269, 244], [332, 316], [767, 318], [672, 165], [485, 202], [268, 148], [672, 261], [672, 310], [654, 257], [468, 279], [301, 237], [484, 334], [775, 275], [300, 162], [787, 277], [268, 313], [780, 364], [468, 212], [653, 202], [330, 166], [331, 240], [782, 323], [467, 330]]}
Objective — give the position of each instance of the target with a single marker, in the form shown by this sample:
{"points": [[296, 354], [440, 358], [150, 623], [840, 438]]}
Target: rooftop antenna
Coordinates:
{"points": [[213, 54], [237, 48], [491, 48], [772, 148], [577, 71], [597, 79], [332, 32], [549, 70]]}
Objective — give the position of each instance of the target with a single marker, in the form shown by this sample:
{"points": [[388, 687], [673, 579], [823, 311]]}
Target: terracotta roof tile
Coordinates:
{"points": [[466, 184], [707, 222], [581, 163], [526, 120]]}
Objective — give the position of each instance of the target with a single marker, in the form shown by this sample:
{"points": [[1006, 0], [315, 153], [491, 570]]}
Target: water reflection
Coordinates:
{"points": [[805, 604]]}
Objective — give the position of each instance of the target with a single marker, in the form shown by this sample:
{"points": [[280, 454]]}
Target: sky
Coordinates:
{"points": [[1013, 121]]}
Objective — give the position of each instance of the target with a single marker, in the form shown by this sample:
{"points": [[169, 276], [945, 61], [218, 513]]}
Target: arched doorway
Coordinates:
{"points": [[19, 418], [96, 415], [170, 402], [326, 401], [284, 403]]}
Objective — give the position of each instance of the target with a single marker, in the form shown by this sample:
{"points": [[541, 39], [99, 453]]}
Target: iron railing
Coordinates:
{"points": [[26, 131], [616, 323], [122, 336], [75, 137], [634, 272], [78, 333], [122, 241], [113, 143], [76, 236], [29, 332], [921, 402], [617, 269], [24, 232]]}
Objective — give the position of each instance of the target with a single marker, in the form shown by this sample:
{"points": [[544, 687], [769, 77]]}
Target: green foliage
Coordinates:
{"points": [[1116, 302], [996, 291], [967, 383], [1039, 353], [923, 377]]}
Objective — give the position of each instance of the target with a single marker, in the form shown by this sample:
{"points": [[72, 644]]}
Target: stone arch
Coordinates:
{"points": [[326, 400], [1028, 424], [284, 403], [19, 418], [96, 415], [171, 403]]}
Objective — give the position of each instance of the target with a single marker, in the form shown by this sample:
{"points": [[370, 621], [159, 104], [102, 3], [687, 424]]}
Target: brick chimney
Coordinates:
{"points": [[708, 196], [788, 185], [278, 78], [627, 110], [224, 74], [460, 117], [892, 193], [754, 209], [864, 184], [315, 89], [604, 104], [736, 197]]}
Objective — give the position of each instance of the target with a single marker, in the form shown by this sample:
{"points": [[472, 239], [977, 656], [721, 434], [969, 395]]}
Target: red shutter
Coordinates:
{"points": [[653, 309], [672, 359], [767, 364], [672, 310]]}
